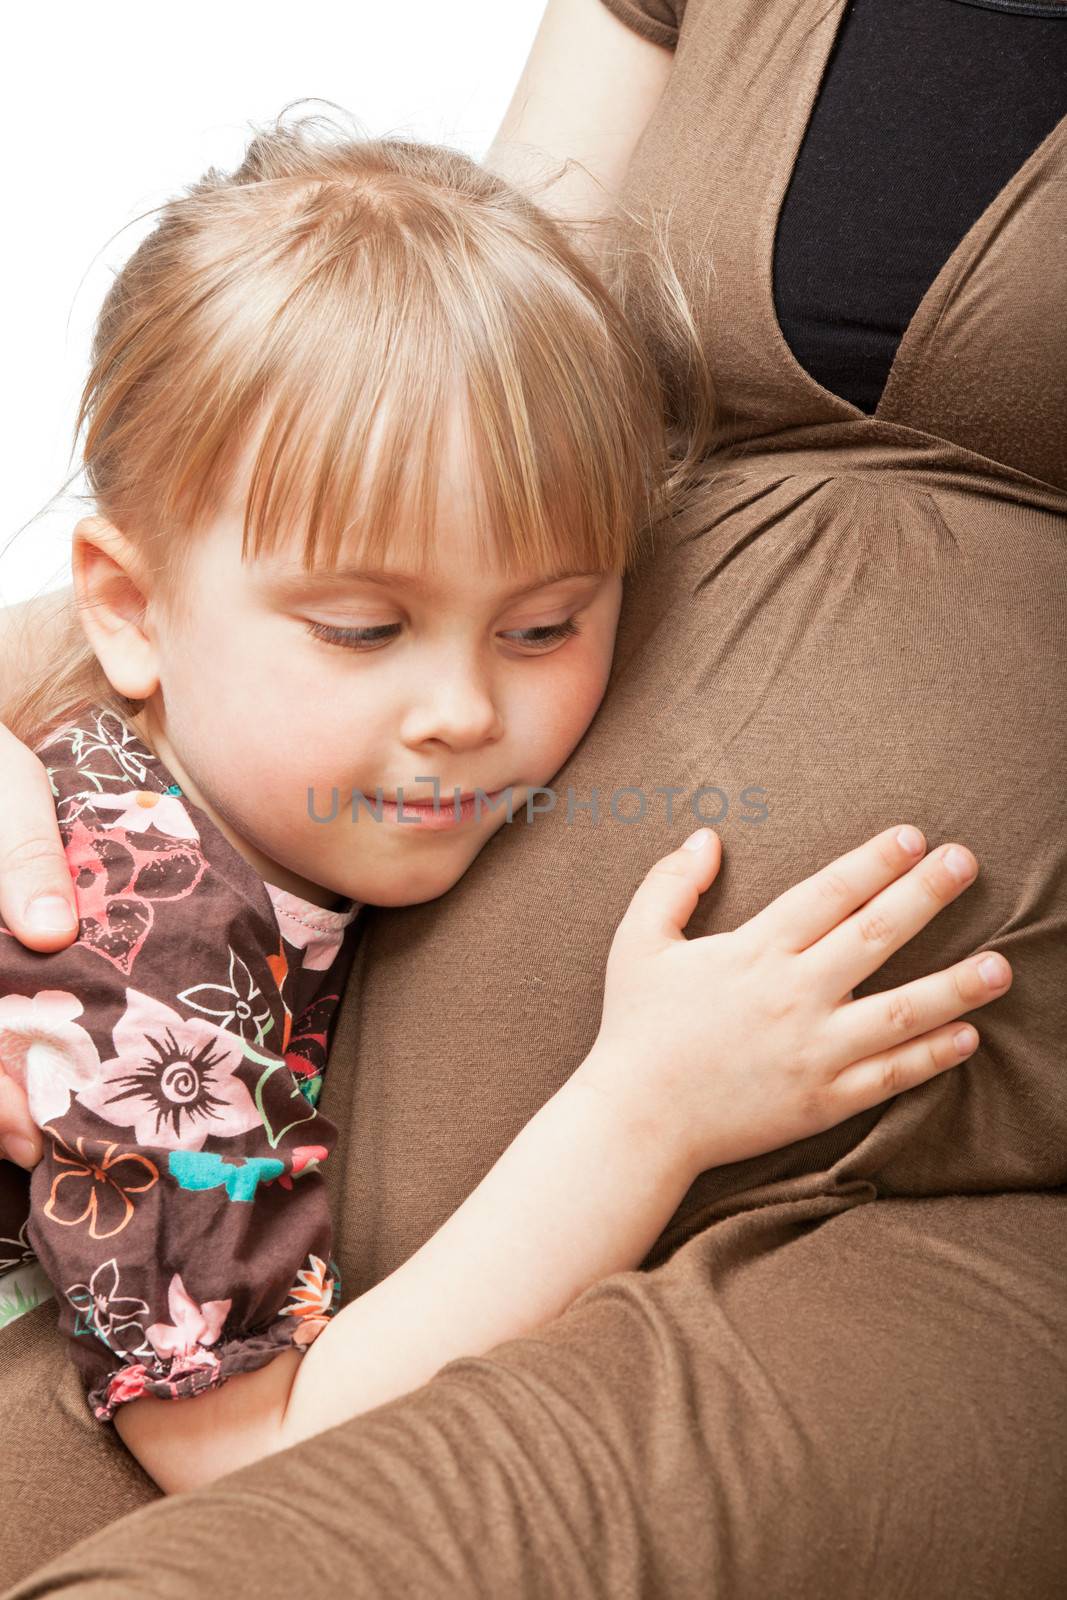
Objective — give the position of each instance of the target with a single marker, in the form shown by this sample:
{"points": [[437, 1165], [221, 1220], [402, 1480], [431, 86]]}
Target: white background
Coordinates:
{"points": [[111, 106]]}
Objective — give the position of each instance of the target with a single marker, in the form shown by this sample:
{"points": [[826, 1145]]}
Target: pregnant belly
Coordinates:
{"points": [[817, 658], [866, 651]]}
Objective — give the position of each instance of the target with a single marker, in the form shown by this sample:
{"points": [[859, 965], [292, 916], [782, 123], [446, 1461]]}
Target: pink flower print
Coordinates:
{"points": [[117, 881], [139, 809], [194, 1325], [103, 1311], [45, 1051], [235, 1001], [173, 1079]]}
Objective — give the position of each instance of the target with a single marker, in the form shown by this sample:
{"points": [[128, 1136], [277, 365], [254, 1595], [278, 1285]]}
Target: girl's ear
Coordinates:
{"points": [[113, 604]]}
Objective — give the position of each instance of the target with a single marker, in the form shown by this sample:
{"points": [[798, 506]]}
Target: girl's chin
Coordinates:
{"points": [[413, 884]]}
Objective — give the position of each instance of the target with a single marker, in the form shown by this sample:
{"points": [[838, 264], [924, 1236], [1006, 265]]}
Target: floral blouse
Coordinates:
{"points": [[173, 1057]]}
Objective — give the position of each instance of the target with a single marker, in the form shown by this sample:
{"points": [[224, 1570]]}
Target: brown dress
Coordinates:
{"points": [[844, 1369]]}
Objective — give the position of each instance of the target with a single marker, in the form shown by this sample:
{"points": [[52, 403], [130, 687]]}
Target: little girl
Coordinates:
{"points": [[371, 448]]}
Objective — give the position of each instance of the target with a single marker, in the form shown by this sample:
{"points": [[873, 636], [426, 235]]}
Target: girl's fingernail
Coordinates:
{"points": [[959, 865], [697, 841], [50, 914], [965, 1041], [992, 970], [911, 840]]}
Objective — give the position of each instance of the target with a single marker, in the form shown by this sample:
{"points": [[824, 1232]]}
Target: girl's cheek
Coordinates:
{"points": [[566, 707]]}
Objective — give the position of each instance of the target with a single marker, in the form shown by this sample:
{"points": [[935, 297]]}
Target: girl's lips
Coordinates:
{"points": [[445, 813]]}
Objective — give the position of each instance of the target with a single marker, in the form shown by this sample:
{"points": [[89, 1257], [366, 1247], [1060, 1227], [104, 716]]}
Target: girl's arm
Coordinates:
{"points": [[582, 1192], [710, 1050]]}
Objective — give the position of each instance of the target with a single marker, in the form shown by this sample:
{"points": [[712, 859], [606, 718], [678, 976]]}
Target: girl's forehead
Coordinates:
{"points": [[438, 494], [456, 569]]}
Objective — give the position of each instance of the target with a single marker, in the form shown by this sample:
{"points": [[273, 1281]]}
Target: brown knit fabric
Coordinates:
{"points": [[845, 1369]]}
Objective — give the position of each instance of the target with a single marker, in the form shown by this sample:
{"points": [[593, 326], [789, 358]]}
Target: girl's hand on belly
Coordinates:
{"points": [[738, 1043]]}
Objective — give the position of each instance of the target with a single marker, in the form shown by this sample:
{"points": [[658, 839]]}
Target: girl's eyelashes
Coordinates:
{"points": [[549, 633], [355, 638], [534, 639]]}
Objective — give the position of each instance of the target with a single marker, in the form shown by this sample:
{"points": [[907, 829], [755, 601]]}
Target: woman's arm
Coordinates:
{"points": [[587, 91], [29, 633]]}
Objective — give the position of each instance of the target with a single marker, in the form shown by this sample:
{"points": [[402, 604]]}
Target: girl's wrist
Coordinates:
{"points": [[642, 1124]]}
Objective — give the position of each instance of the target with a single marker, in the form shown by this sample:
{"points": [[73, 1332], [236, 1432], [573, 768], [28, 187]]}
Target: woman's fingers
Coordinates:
{"points": [[36, 892], [858, 946], [19, 1139], [811, 908], [882, 1022]]}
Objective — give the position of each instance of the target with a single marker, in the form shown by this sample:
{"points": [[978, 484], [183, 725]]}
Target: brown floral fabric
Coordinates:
{"points": [[173, 1057]]}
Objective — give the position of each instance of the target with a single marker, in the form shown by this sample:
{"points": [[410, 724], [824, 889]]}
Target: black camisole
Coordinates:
{"points": [[927, 108]]}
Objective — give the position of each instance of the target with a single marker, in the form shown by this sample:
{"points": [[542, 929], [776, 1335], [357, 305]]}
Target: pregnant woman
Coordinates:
{"points": [[844, 1369]]}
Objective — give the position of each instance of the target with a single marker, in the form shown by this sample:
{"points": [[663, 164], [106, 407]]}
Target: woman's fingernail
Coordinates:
{"points": [[697, 841], [993, 970], [21, 1151], [965, 1041], [911, 840], [50, 913]]}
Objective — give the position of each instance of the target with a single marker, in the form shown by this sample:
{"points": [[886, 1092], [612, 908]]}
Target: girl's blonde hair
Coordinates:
{"points": [[334, 294]]}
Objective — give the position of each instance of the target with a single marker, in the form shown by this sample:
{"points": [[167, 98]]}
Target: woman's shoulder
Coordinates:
{"points": [[656, 20]]}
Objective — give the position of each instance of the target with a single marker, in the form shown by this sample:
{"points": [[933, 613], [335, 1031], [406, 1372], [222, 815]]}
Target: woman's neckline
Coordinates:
{"points": [[1020, 8]]}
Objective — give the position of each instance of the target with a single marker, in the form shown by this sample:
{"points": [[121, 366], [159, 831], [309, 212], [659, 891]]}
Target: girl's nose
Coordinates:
{"points": [[456, 713]]}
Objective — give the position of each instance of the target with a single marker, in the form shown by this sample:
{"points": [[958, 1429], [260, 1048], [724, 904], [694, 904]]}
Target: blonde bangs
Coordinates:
{"points": [[560, 411], [319, 335]]}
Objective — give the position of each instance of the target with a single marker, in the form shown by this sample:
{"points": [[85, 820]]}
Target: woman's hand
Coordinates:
{"points": [[738, 1043], [36, 904]]}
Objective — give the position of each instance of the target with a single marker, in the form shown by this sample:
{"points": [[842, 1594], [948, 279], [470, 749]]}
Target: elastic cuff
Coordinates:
{"points": [[205, 1367]]}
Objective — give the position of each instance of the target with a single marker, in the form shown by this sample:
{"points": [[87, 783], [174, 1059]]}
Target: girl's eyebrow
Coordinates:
{"points": [[337, 577]]}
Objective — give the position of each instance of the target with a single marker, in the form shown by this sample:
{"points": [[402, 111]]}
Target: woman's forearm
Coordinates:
{"points": [[29, 635], [582, 1192]]}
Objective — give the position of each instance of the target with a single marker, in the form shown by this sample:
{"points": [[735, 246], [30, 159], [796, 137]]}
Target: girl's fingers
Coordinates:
{"points": [[668, 894], [881, 1076], [882, 1022], [811, 908], [858, 946]]}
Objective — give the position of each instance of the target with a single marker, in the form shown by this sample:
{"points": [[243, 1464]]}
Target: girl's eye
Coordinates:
{"points": [[534, 639], [355, 638], [539, 638]]}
